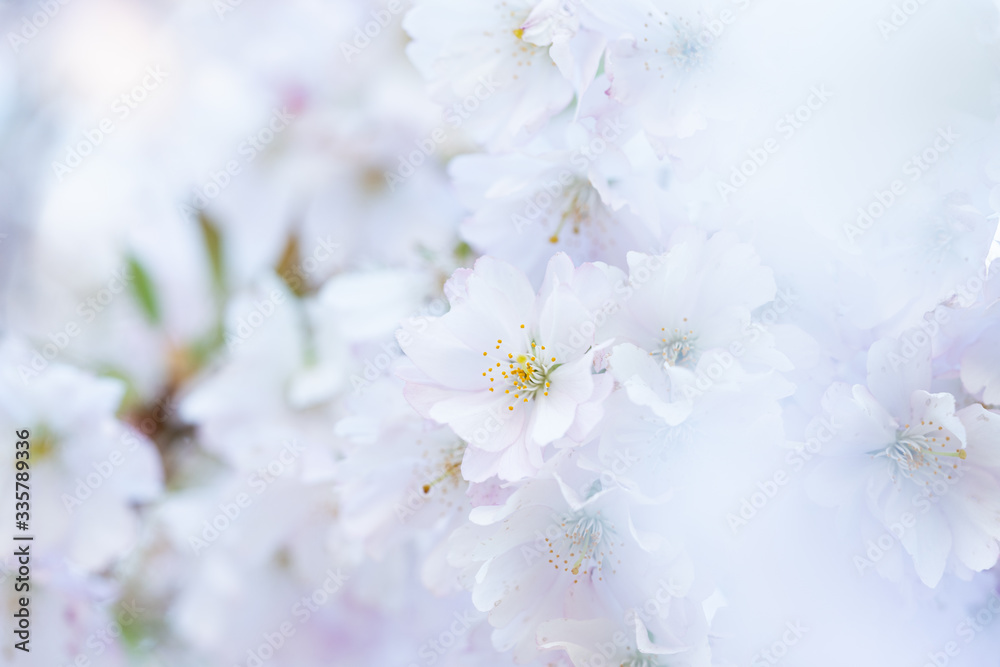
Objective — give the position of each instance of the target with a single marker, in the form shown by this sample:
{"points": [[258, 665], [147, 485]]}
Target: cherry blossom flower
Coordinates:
{"points": [[490, 63], [509, 369], [97, 470], [910, 459], [686, 327]]}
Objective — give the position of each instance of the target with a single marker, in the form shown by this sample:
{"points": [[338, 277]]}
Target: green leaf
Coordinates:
{"points": [[463, 251], [144, 291], [213, 246]]}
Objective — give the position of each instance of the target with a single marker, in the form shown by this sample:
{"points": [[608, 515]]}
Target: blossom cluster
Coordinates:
{"points": [[576, 333]]}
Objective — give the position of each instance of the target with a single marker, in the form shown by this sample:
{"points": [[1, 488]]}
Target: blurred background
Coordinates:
{"points": [[171, 172], [211, 226]]}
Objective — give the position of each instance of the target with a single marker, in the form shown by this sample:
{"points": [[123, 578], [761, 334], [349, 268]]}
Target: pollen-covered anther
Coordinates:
{"points": [[912, 455]]}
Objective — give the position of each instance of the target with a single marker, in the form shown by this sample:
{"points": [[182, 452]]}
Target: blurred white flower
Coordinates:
{"points": [[87, 471], [483, 64], [907, 457]]}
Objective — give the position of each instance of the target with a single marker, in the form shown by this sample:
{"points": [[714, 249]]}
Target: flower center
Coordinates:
{"points": [[521, 376], [637, 660], [584, 544], [921, 453], [669, 440], [523, 53], [677, 347], [685, 49], [448, 468], [581, 200], [529, 378]]}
